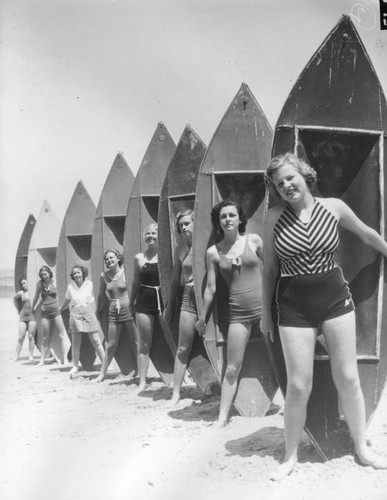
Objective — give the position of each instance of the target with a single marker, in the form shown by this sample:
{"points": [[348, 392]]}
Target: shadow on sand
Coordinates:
{"points": [[269, 441]]}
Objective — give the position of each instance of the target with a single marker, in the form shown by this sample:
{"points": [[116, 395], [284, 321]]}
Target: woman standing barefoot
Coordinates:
{"points": [[27, 322], [237, 258], [80, 298], [182, 281], [300, 244], [52, 323], [145, 299], [113, 288]]}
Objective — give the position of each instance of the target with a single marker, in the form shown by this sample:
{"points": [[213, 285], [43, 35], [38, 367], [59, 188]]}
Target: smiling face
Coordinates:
{"points": [[111, 260], [229, 218], [150, 235], [45, 275], [77, 275], [23, 285], [290, 183], [186, 226]]}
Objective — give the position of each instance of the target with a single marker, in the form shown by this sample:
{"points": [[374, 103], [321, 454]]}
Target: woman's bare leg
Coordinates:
{"points": [[46, 327], [145, 324], [340, 334], [298, 346], [186, 337], [75, 350], [237, 338], [97, 344], [20, 340], [31, 339], [111, 346]]}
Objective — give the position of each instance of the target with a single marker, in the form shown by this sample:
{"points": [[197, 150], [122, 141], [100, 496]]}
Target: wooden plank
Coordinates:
{"points": [[74, 248], [233, 168], [143, 210], [108, 232], [178, 194], [336, 118]]}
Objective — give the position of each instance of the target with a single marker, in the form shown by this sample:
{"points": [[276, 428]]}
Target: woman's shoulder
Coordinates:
{"points": [[254, 238], [334, 205], [212, 251]]}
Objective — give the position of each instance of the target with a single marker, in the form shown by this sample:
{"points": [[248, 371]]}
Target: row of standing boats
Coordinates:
{"points": [[336, 118]]}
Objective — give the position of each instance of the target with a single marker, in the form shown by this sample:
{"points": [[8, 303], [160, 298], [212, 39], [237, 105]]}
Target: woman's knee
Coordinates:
{"points": [[347, 381], [232, 372], [299, 388]]}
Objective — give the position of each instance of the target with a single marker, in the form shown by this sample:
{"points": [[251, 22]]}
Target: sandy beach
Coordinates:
{"points": [[65, 439]]}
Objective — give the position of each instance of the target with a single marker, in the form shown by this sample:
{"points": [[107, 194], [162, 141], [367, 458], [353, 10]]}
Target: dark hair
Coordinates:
{"points": [[307, 172], [215, 212], [84, 271], [22, 279], [116, 253], [182, 214], [47, 269]]}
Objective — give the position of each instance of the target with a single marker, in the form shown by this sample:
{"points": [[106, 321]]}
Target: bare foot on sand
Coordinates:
{"points": [[219, 424], [74, 370], [371, 459], [140, 388], [41, 363], [100, 378], [284, 470], [174, 402]]}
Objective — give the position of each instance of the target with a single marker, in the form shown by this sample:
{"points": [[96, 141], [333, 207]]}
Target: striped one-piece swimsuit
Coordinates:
{"points": [[312, 287]]}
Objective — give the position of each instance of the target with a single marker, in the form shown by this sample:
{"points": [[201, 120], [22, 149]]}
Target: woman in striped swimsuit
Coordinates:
{"points": [[145, 299], [300, 244]]}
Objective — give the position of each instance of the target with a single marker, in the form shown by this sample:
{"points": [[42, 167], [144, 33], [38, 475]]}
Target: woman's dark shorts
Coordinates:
{"points": [[307, 300]]}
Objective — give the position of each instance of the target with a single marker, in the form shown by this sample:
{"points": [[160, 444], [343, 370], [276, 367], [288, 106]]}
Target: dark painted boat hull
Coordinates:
{"points": [[143, 210], [108, 232], [74, 247], [178, 194], [233, 168], [336, 118]]}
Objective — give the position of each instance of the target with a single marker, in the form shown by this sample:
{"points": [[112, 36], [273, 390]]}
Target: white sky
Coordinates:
{"points": [[81, 80]]}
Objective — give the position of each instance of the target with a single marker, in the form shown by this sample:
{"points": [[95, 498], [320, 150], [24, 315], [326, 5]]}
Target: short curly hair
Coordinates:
{"points": [[84, 271], [215, 213], [307, 172], [116, 253], [47, 269], [182, 214]]}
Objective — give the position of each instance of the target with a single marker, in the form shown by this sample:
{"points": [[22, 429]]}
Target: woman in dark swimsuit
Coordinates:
{"points": [[237, 258], [52, 323], [145, 299], [113, 288], [27, 322]]}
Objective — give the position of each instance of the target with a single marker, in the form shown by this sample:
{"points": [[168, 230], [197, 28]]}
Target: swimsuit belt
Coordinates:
{"points": [[157, 289], [117, 301]]}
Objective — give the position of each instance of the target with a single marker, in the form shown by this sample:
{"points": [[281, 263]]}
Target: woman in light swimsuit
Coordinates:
{"points": [[113, 289], [182, 286], [145, 299], [80, 299], [27, 322], [300, 244], [237, 258], [52, 323]]}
